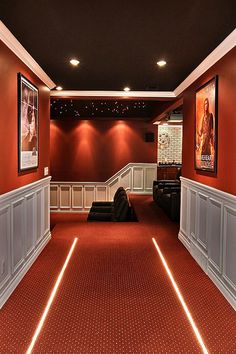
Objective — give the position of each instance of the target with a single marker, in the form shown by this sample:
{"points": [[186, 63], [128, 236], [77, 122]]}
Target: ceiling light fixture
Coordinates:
{"points": [[161, 63], [58, 88], [74, 62], [126, 89]]}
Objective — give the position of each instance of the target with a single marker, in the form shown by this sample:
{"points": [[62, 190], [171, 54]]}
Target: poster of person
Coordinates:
{"points": [[28, 124], [206, 127]]}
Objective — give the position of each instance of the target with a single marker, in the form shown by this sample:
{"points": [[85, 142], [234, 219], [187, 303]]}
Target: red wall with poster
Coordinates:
{"points": [[10, 179]]}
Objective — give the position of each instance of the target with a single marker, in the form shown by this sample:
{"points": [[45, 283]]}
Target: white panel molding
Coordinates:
{"points": [[24, 231], [14, 45], [87, 192], [215, 216]]}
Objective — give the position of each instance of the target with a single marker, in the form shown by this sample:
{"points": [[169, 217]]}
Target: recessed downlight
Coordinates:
{"points": [[74, 62], [161, 63], [59, 88], [127, 89]]}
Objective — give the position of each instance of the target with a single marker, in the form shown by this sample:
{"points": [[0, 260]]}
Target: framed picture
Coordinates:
{"points": [[27, 124], [206, 127]]}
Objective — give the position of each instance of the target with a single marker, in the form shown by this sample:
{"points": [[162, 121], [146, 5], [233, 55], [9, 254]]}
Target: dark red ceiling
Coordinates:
{"points": [[119, 42]]}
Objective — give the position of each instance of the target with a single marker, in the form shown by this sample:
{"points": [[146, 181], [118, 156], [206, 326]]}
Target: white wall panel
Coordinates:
{"points": [[214, 239], [184, 203], [138, 178], [18, 233], [192, 213], [89, 196], [46, 209], [5, 260], [150, 176], [210, 215], [77, 197], [202, 220], [126, 179], [39, 217], [54, 196], [30, 234], [24, 231], [101, 193], [230, 246], [65, 196]]}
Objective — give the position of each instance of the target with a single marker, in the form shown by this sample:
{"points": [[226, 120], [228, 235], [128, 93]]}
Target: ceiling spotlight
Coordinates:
{"points": [[161, 63], [58, 88], [74, 62], [126, 89]]}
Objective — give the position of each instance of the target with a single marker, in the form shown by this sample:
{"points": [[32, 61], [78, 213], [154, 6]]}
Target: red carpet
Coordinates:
{"points": [[115, 296]]}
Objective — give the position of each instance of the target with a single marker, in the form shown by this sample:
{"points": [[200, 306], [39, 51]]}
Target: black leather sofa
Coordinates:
{"points": [[118, 210], [166, 193]]}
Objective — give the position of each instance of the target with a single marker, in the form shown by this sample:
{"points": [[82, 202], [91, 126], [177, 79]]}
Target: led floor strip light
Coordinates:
{"points": [[50, 300], [181, 299]]}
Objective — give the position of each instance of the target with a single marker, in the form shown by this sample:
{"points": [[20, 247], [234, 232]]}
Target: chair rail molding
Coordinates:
{"points": [[207, 230], [78, 196], [24, 232]]}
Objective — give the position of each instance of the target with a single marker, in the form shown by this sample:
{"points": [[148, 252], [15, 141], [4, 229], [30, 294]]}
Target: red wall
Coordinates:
{"points": [[95, 150], [225, 178], [10, 179]]}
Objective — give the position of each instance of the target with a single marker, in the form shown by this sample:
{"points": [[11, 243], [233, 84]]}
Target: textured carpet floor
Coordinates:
{"points": [[115, 296]]}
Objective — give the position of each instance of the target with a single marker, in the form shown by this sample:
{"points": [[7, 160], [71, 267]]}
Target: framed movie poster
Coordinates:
{"points": [[27, 124], [206, 127]]}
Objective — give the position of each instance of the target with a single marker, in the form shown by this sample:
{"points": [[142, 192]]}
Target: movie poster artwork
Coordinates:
{"points": [[28, 124], [206, 127]]}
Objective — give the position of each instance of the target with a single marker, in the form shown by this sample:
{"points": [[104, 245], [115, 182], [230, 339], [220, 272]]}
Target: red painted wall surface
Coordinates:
{"points": [[95, 150], [225, 178], [10, 179]]}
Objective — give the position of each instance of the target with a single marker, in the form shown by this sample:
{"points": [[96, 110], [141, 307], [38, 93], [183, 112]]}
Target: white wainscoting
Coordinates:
{"points": [[24, 231], [208, 230], [78, 196]]}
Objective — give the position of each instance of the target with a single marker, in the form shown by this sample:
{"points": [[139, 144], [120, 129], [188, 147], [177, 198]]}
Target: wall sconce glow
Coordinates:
{"points": [[74, 62], [126, 89], [58, 88], [181, 299], [51, 298], [161, 63]]}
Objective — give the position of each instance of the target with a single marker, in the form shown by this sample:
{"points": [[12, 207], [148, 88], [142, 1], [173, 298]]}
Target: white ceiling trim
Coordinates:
{"points": [[115, 94], [223, 48], [14, 45]]}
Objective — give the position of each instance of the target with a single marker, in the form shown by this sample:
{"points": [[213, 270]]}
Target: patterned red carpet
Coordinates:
{"points": [[115, 296]]}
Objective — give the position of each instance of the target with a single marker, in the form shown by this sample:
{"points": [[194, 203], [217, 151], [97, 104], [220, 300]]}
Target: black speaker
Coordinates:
{"points": [[149, 137]]}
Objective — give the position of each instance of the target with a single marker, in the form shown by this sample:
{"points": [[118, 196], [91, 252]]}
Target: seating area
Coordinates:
{"points": [[166, 193], [120, 209]]}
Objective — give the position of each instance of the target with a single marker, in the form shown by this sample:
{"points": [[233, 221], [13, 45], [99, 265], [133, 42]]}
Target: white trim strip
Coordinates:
{"points": [[114, 94], [218, 53], [181, 299], [51, 298], [14, 45]]}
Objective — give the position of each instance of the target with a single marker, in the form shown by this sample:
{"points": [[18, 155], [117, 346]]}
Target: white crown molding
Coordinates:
{"points": [[14, 45], [223, 48], [115, 94]]}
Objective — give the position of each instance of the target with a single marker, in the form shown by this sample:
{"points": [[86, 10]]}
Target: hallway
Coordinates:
{"points": [[115, 296]]}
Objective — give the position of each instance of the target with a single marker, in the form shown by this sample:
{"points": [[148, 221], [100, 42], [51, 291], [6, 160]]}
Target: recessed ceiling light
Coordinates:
{"points": [[126, 89], [58, 88], [161, 63], [74, 62]]}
